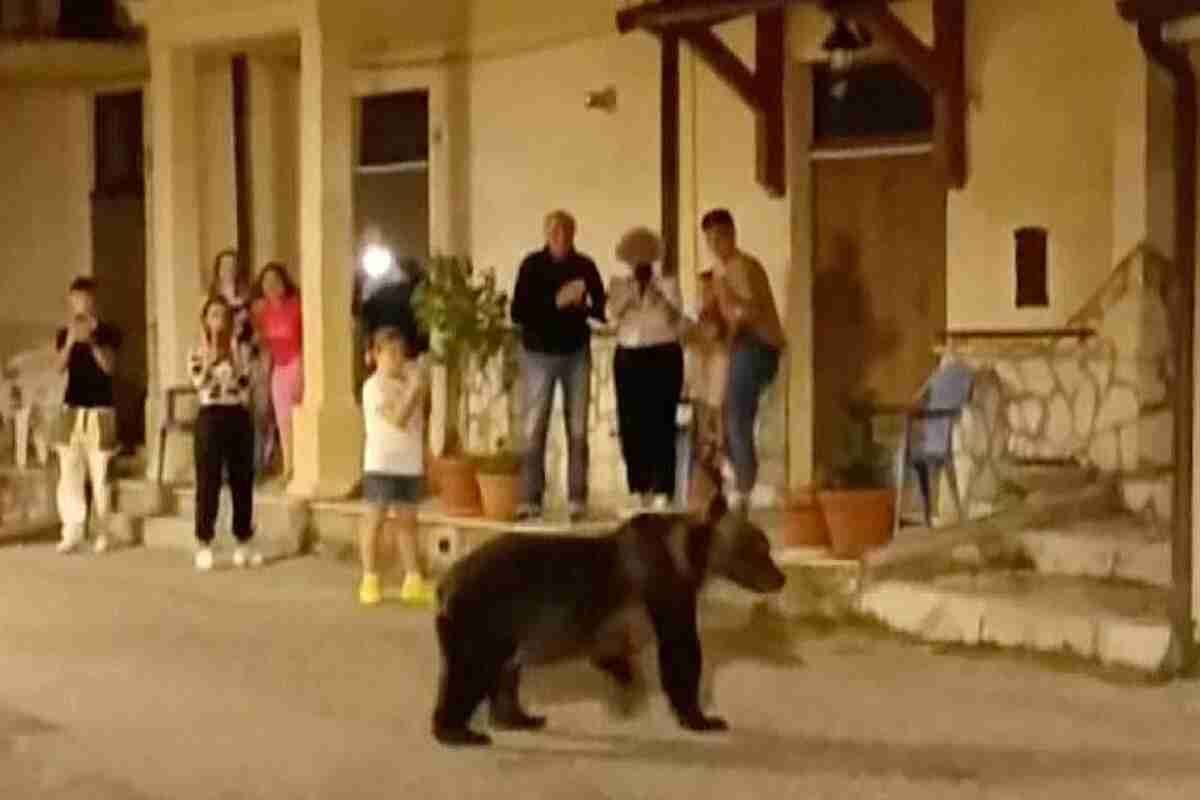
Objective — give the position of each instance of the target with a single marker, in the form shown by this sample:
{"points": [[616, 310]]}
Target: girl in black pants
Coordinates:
{"points": [[224, 435], [647, 367]]}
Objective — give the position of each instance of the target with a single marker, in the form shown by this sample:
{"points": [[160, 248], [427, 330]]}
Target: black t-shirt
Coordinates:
{"points": [[89, 386]]}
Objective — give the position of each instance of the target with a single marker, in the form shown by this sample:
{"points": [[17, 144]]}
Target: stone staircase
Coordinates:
{"points": [[164, 518], [1069, 569], [27, 509]]}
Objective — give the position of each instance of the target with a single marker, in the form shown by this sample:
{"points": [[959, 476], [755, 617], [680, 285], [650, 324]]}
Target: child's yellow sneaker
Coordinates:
{"points": [[416, 590], [369, 592]]}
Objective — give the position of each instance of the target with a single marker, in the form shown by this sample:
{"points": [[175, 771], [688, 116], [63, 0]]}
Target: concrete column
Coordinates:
{"points": [[328, 427], [799, 323], [1194, 51], [175, 219]]}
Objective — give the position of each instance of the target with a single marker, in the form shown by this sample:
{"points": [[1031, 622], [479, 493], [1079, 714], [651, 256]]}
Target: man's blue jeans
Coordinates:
{"points": [[539, 373], [752, 366]]}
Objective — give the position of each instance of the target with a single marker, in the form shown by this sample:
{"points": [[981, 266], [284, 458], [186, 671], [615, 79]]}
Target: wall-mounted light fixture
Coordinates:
{"points": [[843, 44], [605, 99]]}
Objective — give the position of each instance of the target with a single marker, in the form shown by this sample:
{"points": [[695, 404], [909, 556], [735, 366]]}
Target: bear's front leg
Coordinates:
{"points": [[680, 661]]}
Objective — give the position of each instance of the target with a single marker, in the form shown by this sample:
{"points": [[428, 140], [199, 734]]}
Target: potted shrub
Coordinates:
{"points": [[855, 495], [500, 482], [466, 318]]}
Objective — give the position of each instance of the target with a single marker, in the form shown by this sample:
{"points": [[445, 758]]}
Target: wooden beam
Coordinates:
{"points": [[941, 69], [950, 102], [664, 14], [915, 55], [1161, 10], [769, 46], [241, 163], [669, 159], [726, 64]]}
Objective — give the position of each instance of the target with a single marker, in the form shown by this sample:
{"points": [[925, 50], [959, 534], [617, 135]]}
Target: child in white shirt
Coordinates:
{"points": [[394, 406]]}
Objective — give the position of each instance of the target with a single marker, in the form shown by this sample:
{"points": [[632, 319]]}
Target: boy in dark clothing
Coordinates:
{"points": [[557, 290], [86, 438]]}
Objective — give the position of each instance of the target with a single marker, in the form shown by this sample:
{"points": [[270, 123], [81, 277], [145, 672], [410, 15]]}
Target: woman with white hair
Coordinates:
{"points": [[646, 307]]}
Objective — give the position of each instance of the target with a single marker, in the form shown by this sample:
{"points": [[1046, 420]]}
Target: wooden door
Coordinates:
{"points": [[879, 284], [119, 251]]}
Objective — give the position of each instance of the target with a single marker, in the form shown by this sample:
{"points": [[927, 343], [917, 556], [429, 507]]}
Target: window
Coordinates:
{"points": [[395, 128], [869, 101], [1031, 267]]}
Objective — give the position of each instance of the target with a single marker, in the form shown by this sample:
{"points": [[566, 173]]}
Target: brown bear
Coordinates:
{"points": [[524, 600]]}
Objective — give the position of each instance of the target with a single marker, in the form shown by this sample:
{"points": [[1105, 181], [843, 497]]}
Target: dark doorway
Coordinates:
{"points": [[391, 182], [119, 250]]}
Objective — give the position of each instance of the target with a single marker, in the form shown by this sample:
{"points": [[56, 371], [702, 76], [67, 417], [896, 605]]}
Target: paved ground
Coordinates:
{"points": [[129, 677]]}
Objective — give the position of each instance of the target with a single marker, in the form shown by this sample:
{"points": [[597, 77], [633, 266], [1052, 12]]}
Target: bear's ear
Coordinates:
{"points": [[717, 508]]}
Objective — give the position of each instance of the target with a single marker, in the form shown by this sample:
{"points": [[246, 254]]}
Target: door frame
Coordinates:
{"points": [[434, 81]]}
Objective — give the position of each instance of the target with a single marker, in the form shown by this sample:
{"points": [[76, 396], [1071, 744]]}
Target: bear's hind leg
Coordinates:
{"points": [[505, 703]]}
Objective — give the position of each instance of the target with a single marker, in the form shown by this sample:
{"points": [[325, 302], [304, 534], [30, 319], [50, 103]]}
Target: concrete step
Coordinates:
{"points": [[139, 497], [1120, 547], [27, 504], [1046, 476], [1149, 494], [923, 553], [281, 526], [178, 534], [1114, 624], [444, 539]]}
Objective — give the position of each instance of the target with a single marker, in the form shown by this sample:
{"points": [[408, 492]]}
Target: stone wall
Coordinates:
{"points": [[1103, 400]]}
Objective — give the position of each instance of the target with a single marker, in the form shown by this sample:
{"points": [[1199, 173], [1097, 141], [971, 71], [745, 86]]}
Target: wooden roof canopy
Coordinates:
{"points": [[940, 69], [1160, 10]]}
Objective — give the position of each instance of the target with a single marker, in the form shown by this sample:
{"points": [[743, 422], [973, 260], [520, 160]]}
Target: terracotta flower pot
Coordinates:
{"points": [[804, 524], [501, 492], [458, 490], [859, 520]]}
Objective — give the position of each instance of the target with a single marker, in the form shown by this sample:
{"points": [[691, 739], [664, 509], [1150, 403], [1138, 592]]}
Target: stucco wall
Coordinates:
{"points": [[44, 209], [1041, 151], [1056, 137]]}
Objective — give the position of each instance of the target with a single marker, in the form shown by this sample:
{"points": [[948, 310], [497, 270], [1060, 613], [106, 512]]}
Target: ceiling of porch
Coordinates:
{"points": [[419, 29], [59, 62]]}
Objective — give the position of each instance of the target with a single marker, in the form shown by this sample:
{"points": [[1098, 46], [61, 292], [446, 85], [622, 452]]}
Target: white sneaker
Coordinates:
{"points": [[100, 545], [662, 503], [246, 557], [72, 535], [204, 559]]}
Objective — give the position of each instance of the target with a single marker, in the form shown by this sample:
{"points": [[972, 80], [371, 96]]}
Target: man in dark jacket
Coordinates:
{"points": [[557, 290]]}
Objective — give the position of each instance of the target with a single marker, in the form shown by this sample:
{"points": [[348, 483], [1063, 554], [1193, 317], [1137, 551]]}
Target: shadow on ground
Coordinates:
{"points": [[35, 761]]}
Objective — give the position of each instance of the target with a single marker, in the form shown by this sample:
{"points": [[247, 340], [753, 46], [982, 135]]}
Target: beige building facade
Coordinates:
{"points": [[1068, 128]]}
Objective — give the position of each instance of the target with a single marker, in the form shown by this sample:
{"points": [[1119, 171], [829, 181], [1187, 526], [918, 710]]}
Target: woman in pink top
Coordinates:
{"points": [[279, 328]]}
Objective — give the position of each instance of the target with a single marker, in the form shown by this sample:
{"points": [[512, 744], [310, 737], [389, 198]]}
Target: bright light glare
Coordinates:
{"points": [[377, 260]]}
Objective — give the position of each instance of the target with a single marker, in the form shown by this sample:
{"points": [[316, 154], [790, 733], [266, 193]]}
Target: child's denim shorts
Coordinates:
{"points": [[380, 488]]}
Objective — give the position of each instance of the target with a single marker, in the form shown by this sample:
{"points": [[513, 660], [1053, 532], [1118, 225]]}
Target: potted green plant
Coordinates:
{"points": [[498, 473], [854, 495], [466, 318]]}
